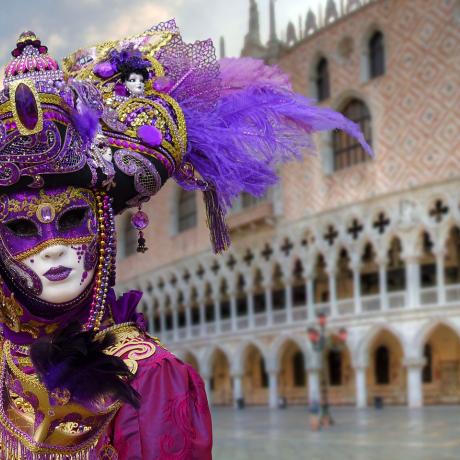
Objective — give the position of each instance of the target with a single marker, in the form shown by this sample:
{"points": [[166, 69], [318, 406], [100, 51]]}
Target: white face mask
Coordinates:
{"points": [[61, 271], [135, 84]]}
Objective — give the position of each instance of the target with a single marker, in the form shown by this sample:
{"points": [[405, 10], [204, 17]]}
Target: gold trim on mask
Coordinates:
{"points": [[54, 242], [32, 205]]}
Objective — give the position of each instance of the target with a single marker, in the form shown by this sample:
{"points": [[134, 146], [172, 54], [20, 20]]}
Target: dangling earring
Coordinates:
{"points": [[139, 221]]}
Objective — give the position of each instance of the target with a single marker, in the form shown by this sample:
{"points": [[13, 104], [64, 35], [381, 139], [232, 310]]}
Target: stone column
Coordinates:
{"points": [[269, 304], [361, 386], [356, 267], [413, 281], [188, 319], [217, 314], [237, 387], [414, 382], [162, 322], [310, 299], [288, 298], [233, 314], [440, 277], [202, 318], [333, 291], [250, 301], [314, 392], [175, 324], [151, 317], [383, 285], [273, 388]]}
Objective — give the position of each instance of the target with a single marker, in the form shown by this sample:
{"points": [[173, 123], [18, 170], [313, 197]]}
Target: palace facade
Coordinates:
{"points": [[372, 243]]}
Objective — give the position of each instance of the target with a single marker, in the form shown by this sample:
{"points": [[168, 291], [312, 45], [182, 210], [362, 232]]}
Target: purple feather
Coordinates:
{"points": [[237, 146], [75, 360], [240, 73], [86, 121]]}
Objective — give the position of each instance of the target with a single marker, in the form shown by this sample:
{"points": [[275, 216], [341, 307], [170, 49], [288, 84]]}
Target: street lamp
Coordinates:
{"points": [[321, 344]]}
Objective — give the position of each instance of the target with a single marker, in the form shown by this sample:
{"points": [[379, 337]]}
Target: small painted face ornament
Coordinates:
{"points": [[135, 84], [48, 241]]}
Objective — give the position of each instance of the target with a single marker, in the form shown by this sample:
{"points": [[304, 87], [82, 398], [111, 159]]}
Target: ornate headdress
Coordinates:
{"points": [[219, 127]]}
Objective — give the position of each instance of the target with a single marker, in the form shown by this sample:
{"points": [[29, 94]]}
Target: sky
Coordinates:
{"points": [[67, 25]]}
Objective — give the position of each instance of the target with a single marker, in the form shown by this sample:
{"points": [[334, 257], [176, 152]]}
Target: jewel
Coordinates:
{"points": [[120, 90], [150, 135], [26, 106], [104, 70], [140, 220], [46, 213]]}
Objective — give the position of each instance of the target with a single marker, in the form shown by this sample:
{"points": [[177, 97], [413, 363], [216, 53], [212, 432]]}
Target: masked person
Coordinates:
{"points": [[79, 376]]}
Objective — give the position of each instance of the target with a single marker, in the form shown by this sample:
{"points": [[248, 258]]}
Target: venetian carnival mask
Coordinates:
{"points": [[48, 241]]}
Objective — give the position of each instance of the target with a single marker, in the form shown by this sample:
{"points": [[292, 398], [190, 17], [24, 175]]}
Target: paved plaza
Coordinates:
{"points": [[394, 433]]}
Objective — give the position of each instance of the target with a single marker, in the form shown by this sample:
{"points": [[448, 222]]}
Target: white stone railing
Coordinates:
{"points": [[371, 303], [397, 299], [346, 306], [429, 297], [453, 293]]}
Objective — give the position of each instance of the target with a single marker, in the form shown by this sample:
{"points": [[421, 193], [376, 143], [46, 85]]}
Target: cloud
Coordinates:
{"points": [[128, 22]]}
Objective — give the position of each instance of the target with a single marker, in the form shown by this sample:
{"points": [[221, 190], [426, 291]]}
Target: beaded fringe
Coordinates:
{"points": [[12, 449]]}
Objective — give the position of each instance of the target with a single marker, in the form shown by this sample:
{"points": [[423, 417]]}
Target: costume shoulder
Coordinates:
{"points": [[174, 420]]}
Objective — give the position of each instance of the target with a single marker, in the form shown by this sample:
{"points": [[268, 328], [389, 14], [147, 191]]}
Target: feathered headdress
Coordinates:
{"points": [[221, 127]]}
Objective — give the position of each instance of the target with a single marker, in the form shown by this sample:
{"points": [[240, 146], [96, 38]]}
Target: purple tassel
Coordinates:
{"points": [[219, 234]]}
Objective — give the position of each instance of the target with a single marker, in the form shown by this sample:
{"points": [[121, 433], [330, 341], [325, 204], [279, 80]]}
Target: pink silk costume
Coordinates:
{"points": [[173, 423]]}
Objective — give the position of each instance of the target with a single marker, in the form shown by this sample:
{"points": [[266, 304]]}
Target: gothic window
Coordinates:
{"points": [[187, 210], [428, 263], [298, 367], [396, 273], [427, 375], [346, 149], [169, 321], [334, 359], [209, 312], [382, 365], [376, 55], [322, 80], [195, 315]]}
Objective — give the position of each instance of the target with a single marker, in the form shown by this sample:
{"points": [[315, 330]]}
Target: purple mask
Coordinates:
{"points": [[49, 242]]}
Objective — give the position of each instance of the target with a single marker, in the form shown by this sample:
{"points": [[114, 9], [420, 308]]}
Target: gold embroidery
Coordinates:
{"points": [[32, 205], [10, 314], [131, 346]]}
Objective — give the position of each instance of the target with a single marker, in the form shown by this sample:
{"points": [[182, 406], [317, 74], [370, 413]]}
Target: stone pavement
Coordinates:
{"points": [[394, 433]]}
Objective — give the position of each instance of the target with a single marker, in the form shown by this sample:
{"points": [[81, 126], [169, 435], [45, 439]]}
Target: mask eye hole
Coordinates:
{"points": [[22, 227], [73, 218]]}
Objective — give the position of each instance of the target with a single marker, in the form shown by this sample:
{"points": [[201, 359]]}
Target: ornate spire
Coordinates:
{"points": [[291, 36], [331, 12], [273, 36], [252, 44], [222, 47], [353, 5], [310, 23], [252, 38]]}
